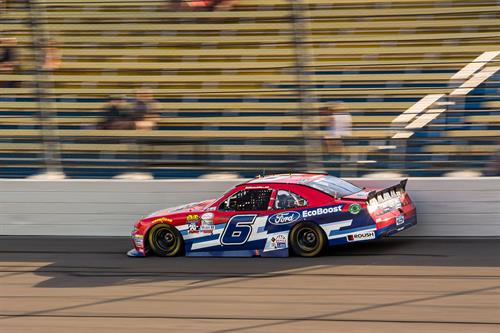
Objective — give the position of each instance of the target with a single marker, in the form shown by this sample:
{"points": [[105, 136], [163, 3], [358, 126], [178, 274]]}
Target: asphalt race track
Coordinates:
{"points": [[55, 284]]}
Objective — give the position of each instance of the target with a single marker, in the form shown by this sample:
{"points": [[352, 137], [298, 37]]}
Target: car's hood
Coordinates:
{"points": [[190, 207]]}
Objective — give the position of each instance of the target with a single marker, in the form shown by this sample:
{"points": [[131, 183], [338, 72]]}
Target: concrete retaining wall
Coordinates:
{"points": [[446, 206]]}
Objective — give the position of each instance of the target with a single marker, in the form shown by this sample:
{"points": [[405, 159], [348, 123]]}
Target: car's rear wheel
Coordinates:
{"points": [[307, 239], [165, 240]]}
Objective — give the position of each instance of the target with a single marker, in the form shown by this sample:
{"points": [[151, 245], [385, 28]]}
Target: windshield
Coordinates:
{"points": [[334, 186]]}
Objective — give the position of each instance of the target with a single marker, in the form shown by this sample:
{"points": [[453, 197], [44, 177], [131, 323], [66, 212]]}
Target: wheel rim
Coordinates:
{"points": [[307, 239], [165, 240]]}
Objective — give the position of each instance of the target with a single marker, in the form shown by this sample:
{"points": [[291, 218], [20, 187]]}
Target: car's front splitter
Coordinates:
{"points": [[135, 253]]}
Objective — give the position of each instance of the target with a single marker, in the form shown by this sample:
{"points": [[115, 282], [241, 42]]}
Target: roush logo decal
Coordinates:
{"points": [[284, 218], [362, 235]]}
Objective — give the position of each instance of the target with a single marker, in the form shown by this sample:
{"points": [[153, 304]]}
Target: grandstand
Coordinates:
{"points": [[228, 88]]}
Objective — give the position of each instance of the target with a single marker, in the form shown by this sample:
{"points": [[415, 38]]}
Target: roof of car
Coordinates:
{"points": [[289, 178]]}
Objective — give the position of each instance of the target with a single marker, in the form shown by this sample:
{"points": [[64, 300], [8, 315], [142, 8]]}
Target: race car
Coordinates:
{"points": [[276, 216]]}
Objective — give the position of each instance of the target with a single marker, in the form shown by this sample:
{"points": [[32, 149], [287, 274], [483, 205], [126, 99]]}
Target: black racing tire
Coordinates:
{"points": [[165, 240], [307, 239]]}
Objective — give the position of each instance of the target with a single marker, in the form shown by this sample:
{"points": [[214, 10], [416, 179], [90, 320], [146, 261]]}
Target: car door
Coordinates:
{"points": [[239, 215]]}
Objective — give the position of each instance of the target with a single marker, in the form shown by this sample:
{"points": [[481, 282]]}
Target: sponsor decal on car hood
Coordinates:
{"points": [[194, 206]]}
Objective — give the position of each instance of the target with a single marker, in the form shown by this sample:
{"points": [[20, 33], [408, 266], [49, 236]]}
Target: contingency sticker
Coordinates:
{"points": [[276, 241]]}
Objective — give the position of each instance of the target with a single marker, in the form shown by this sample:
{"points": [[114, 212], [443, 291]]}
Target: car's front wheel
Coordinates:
{"points": [[307, 239], [165, 240]]}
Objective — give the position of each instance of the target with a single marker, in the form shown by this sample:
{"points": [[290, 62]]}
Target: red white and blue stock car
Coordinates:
{"points": [[276, 216]]}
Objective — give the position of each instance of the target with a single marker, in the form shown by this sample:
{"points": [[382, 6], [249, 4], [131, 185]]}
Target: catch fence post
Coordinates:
{"points": [[306, 110], [49, 137]]}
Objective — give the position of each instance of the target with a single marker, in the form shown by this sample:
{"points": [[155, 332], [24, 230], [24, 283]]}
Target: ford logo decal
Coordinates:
{"points": [[284, 218]]}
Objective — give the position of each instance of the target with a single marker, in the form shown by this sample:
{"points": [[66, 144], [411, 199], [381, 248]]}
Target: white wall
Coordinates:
{"points": [[446, 206]]}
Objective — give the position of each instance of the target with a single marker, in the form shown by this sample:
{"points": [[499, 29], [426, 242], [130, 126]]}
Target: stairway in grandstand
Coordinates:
{"points": [[227, 88]]}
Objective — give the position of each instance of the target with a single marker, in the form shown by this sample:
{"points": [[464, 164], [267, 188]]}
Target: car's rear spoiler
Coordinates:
{"points": [[378, 195]]}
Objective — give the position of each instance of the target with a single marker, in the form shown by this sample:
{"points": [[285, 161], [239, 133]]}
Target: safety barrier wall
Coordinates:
{"points": [[446, 206]]}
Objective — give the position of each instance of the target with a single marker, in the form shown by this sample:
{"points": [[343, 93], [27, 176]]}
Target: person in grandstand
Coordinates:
{"points": [[9, 60], [51, 55], [337, 122], [145, 110], [117, 115]]}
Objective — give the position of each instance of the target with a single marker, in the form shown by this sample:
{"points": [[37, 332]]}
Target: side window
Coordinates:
{"points": [[245, 200], [287, 199]]}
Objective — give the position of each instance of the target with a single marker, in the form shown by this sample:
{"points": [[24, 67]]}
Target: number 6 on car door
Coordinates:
{"points": [[238, 230]]}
